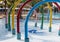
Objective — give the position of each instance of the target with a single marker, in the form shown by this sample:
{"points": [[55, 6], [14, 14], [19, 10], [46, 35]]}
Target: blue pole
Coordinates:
{"points": [[36, 20], [48, 15], [36, 24]]}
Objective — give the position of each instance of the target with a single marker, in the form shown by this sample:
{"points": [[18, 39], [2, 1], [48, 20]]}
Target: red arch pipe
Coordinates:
{"points": [[57, 5], [18, 15]]}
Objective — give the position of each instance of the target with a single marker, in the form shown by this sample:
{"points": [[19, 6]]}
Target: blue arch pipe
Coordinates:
{"points": [[30, 13]]}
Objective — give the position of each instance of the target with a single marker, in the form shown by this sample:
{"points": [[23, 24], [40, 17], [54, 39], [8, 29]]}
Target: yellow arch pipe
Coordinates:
{"points": [[1, 0], [8, 2], [50, 25], [13, 12]]}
